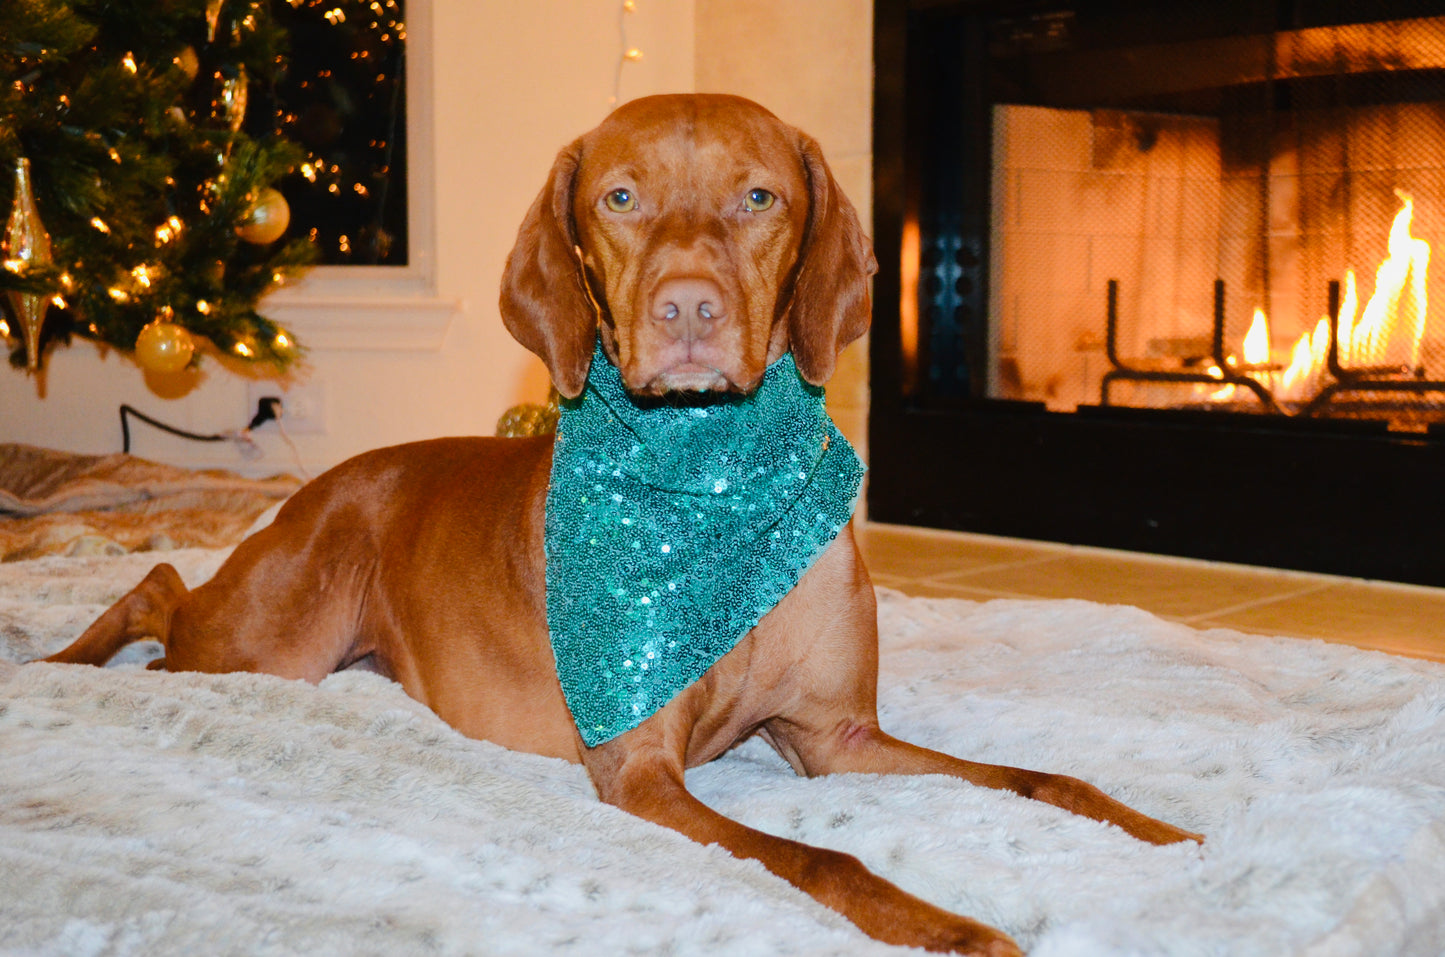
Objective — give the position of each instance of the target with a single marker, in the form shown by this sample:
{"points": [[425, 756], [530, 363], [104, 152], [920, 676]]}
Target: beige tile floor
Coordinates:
{"points": [[1401, 619]]}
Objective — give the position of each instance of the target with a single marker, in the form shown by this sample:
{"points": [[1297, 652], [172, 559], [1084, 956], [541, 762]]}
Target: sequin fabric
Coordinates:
{"points": [[672, 531]]}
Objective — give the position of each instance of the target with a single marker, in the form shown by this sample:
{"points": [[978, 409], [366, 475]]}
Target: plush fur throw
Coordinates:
{"points": [[144, 813], [60, 503]]}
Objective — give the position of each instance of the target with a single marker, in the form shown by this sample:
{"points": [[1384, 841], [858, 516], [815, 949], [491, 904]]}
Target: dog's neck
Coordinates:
{"points": [[671, 530]]}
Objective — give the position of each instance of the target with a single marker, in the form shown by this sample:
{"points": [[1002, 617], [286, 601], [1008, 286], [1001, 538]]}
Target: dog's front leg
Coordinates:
{"points": [[638, 774], [843, 746]]}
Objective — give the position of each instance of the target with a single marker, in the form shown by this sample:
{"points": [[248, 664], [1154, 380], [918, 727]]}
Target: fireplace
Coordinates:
{"points": [[1157, 277]]}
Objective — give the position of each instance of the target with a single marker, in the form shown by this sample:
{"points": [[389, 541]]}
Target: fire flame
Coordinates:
{"points": [[1302, 378], [1256, 340], [1386, 334], [1256, 356], [1399, 299]]}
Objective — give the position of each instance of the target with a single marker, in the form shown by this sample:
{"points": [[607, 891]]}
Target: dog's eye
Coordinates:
{"points": [[621, 201], [757, 200]]}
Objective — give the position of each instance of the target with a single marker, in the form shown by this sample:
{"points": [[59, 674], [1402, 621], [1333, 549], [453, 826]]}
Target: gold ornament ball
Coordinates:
{"points": [[521, 421], [267, 218], [164, 347]]}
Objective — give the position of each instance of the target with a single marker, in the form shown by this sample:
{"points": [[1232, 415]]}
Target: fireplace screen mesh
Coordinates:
{"points": [[1242, 224]]}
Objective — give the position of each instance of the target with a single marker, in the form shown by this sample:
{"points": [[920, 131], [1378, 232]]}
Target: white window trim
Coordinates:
{"points": [[384, 308]]}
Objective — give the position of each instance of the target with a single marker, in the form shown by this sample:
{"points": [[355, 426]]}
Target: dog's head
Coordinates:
{"points": [[703, 238]]}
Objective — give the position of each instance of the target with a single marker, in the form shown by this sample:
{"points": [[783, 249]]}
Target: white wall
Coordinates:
{"points": [[811, 63], [512, 82]]}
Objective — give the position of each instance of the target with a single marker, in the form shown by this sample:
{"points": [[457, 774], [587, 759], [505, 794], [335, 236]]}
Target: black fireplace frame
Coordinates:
{"points": [[1334, 496]]}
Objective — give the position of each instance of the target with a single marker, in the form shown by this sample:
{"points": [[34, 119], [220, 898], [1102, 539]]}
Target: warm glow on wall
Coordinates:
{"points": [[908, 304]]}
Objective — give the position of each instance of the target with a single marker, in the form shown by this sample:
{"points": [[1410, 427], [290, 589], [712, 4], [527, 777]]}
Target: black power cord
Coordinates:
{"points": [[126, 410], [267, 410]]}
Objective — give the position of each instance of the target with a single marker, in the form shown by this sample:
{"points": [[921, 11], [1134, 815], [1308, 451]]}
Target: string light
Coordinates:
{"points": [[628, 53], [168, 230], [128, 61]]}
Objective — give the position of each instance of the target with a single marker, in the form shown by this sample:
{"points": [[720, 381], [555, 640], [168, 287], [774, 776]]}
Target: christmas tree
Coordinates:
{"points": [[147, 216]]}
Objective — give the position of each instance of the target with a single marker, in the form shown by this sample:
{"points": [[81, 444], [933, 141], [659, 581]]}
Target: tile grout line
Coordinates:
{"points": [[1257, 602], [973, 594], [936, 579]]}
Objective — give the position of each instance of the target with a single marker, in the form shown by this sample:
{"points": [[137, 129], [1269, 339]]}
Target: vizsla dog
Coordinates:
{"points": [[700, 240]]}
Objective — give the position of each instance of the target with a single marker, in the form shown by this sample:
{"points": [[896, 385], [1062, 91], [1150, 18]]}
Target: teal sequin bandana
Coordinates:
{"points": [[672, 530]]}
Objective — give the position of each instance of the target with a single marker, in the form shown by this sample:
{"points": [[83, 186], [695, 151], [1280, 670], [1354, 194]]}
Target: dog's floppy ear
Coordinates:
{"points": [[546, 305], [830, 305]]}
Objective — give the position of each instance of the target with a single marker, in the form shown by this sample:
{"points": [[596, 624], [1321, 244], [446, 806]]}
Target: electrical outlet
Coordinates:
{"points": [[303, 405]]}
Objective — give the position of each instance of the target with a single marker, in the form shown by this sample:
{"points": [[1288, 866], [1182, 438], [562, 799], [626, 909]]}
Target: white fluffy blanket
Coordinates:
{"points": [[152, 814]]}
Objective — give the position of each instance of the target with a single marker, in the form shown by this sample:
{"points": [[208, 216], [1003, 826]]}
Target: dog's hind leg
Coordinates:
{"points": [[143, 613]]}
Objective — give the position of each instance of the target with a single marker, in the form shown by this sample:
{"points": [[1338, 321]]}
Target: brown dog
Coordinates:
{"points": [[702, 239]]}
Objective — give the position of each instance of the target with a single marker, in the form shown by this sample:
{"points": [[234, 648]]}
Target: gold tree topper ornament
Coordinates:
{"points": [[27, 245]]}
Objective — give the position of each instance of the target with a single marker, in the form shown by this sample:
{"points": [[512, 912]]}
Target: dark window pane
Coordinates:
{"points": [[343, 98]]}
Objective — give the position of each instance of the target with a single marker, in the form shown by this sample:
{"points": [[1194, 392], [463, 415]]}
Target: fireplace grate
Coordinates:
{"points": [[1365, 386]]}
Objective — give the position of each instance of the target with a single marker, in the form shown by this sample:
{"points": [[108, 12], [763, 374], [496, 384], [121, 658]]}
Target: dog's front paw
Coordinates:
{"points": [[1083, 798], [980, 940], [1158, 832]]}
